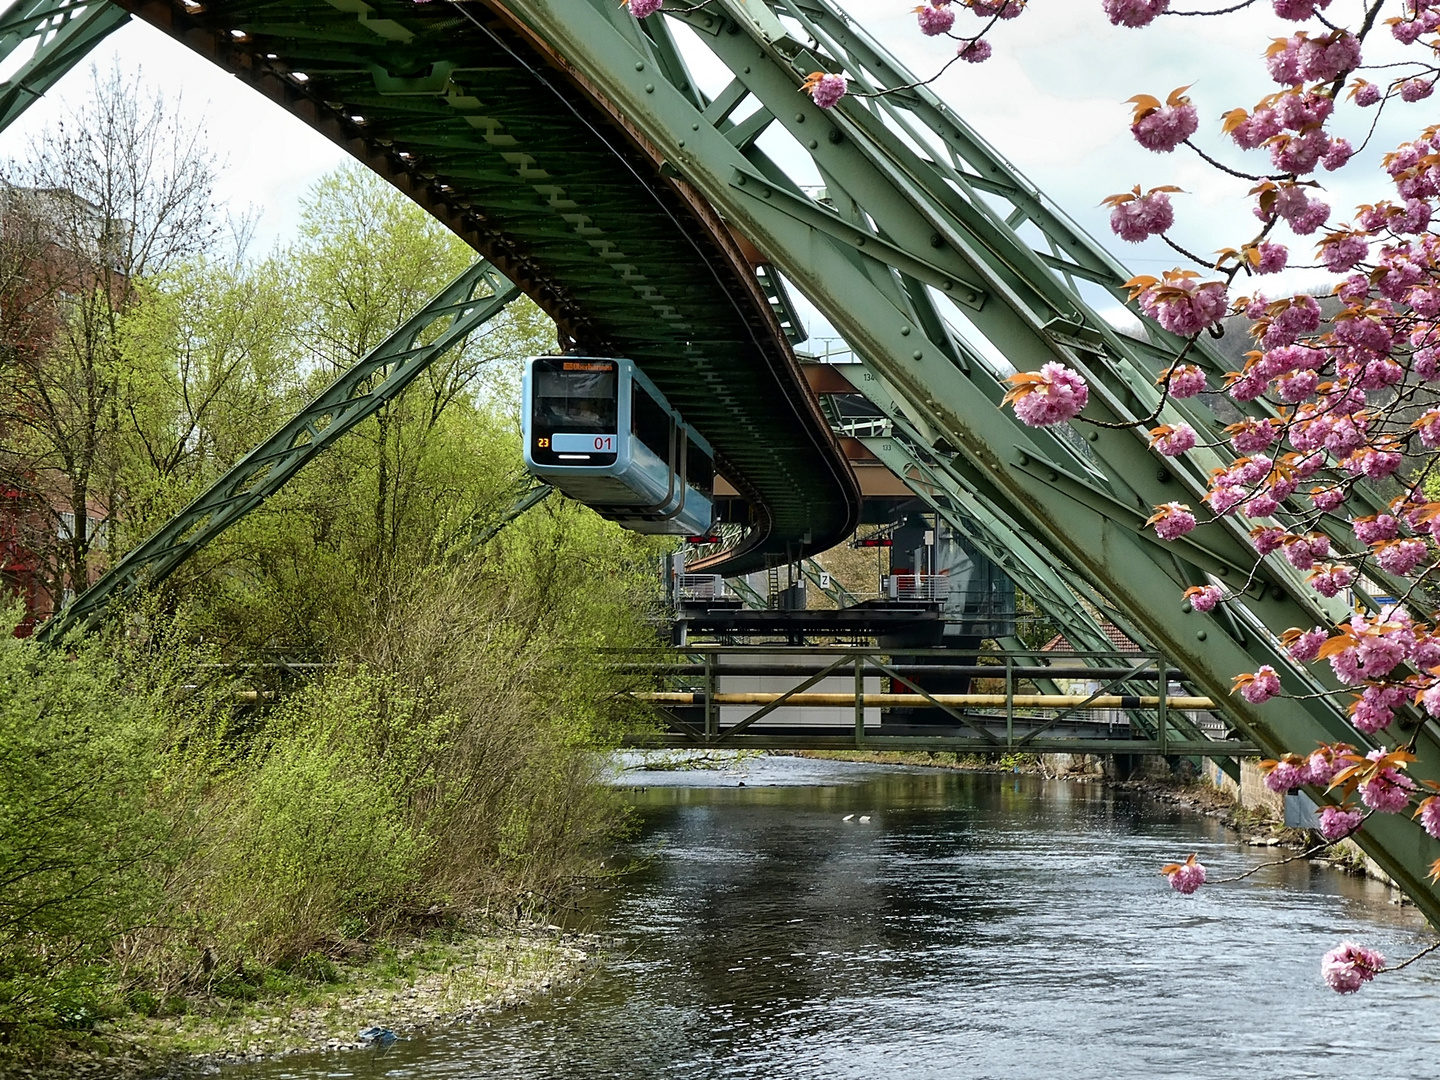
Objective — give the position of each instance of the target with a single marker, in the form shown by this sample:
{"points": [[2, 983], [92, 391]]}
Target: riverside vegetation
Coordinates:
{"points": [[175, 834]]}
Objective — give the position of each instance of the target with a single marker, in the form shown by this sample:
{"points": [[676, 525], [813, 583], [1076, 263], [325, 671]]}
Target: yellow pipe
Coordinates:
{"points": [[1022, 701]]}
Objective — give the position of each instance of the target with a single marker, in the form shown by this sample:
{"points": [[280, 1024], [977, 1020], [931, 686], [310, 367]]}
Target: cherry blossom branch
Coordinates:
{"points": [[887, 91], [1406, 963], [1307, 853], [1218, 11], [1226, 168]]}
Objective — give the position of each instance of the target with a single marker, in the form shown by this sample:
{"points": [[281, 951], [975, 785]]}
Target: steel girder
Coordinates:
{"points": [[464, 306], [919, 230], [64, 31], [463, 109]]}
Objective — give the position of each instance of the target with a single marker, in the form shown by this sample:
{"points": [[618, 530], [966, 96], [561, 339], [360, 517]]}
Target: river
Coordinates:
{"points": [[976, 925]]}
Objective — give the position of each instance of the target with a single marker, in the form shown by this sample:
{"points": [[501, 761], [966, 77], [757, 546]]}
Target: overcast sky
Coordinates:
{"points": [[1051, 100]]}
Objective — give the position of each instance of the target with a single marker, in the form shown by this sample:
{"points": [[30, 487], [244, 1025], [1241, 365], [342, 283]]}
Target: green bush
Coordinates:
{"points": [[80, 842]]}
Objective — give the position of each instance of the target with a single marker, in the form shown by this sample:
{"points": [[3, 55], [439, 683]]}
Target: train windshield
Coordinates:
{"points": [[575, 395]]}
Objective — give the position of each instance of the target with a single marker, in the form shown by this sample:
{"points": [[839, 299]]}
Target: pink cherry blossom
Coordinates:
{"points": [[1388, 791], [1339, 153], [1138, 218], [1416, 89], [1321, 767], [1185, 306], [935, 18], [1344, 252], [1296, 385], [1376, 527], [1272, 257], [1252, 436], [1376, 706], [1307, 646], [1327, 499], [1172, 441], [1330, 581], [1286, 776], [1300, 153], [1134, 12], [1186, 381], [1005, 9], [1350, 967], [1428, 427], [1260, 686], [1171, 521], [1260, 125], [643, 9], [1052, 395], [827, 90], [1429, 816], [974, 52], [1185, 877], [1165, 128], [1367, 95], [1203, 597], [1431, 699], [1267, 539], [1337, 823], [1400, 556], [1325, 59], [1299, 10]]}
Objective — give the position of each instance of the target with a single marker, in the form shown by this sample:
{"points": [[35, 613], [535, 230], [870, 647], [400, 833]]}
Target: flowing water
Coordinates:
{"points": [[976, 926]]}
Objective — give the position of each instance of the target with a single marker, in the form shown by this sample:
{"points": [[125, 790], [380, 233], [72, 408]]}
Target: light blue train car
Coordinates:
{"points": [[601, 432]]}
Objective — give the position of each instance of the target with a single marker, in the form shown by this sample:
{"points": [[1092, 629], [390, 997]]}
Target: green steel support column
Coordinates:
{"points": [[914, 238], [523, 504], [462, 307], [64, 31]]}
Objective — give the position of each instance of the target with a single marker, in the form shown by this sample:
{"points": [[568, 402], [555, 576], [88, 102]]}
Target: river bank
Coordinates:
{"points": [[409, 988]]}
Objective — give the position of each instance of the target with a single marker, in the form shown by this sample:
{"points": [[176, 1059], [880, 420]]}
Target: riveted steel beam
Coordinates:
{"points": [[63, 33]]}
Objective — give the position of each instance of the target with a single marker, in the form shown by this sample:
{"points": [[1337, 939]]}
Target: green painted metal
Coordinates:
{"points": [[465, 112], [837, 593], [64, 32], [525, 502], [464, 306], [915, 248], [606, 184]]}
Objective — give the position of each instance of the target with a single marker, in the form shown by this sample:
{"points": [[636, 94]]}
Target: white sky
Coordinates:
{"points": [[1051, 100]]}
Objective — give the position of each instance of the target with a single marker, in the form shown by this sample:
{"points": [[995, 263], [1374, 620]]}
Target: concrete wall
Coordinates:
{"points": [[1251, 792]]}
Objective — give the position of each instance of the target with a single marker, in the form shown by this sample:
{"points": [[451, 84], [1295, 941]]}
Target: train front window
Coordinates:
{"points": [[576, 396]]}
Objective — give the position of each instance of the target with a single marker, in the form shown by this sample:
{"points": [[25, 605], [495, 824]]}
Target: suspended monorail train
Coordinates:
{"points": [[599, 430]]}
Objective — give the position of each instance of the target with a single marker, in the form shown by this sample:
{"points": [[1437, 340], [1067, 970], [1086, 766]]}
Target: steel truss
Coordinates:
{"points": [[930, 254], [457, 311], [64, 32]]}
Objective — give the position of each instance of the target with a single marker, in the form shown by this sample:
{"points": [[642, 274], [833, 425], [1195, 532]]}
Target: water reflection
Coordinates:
{"points": [[975, 926]]}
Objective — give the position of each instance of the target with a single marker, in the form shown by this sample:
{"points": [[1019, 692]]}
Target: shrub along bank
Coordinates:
{"points": [[162, 846]]}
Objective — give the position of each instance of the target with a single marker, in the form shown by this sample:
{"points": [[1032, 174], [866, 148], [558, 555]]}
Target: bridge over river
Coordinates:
{"points": [[660, 211]]}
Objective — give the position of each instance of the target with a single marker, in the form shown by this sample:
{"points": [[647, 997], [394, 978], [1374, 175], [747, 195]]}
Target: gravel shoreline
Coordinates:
{"points": [[439, 984]]}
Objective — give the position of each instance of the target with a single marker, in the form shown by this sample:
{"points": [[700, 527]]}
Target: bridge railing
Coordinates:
{"points": [[986, 701]]}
